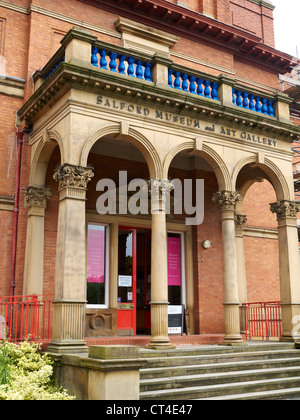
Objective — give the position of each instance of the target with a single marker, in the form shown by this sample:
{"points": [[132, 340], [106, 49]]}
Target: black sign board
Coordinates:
{"points": [[176, 319]]}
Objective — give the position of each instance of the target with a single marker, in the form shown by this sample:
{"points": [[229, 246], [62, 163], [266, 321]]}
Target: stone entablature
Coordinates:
{"points": [[79, 70]]}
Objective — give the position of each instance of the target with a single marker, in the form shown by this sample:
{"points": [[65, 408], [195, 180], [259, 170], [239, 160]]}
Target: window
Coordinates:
{"points": [[97, 265]]}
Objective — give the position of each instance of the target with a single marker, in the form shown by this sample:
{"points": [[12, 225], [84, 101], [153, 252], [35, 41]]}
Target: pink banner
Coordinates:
{"points": [[174, 262], [96, 254]]}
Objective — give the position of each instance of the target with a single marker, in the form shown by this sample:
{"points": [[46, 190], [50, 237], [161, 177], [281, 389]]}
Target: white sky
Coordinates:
{"points": [[287, 26]]}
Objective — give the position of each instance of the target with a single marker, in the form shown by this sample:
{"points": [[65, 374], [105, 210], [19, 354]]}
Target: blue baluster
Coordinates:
{"points": [[271, 109], [185, 85], [206, 89], [192, 84], [170, 78], [113, 63], [94, 58], [265, 106], [148, 74], [239, 100], [251, 103], [130, 69], [103, 62], [177, 83], [258, 104], [214, 91], [200, 88], [139, 71], [245, 100], [233, 97], [121, 68]]}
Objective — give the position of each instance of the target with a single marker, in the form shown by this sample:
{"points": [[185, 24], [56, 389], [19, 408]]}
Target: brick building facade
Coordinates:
{"points": [[79, 114]]}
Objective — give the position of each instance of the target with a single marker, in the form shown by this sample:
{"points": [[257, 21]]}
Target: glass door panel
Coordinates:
{"points": [[127, 281]]}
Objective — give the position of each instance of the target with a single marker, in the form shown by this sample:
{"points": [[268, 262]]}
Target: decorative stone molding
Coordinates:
{"points": [[240, 220], [285, 208], [7, 203], [37, 197], [227, 199], [73, 176]]}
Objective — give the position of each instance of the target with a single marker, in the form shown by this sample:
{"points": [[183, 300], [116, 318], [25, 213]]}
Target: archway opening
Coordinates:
{"points": [[118, 240], [204, 283]]}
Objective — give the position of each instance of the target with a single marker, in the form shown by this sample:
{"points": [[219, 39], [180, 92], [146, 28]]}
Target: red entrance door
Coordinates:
{"points": [[126, 316]]}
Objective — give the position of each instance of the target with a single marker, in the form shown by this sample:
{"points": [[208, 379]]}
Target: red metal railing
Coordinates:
{"points": [[25, 318], [263, 320]]}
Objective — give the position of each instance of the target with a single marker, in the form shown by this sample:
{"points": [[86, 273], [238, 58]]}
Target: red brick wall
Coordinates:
{"points": [[261, 254]]}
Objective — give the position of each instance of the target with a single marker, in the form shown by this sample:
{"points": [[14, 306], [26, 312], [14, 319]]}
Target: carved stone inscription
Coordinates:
{"points": [[183, 121]]}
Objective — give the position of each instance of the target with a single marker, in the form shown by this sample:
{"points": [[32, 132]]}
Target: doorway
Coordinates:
{"points": [[134, 278], [134, 281]]}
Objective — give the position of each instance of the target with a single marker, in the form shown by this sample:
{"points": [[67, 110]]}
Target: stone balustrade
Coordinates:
{"points": [[80, 47]]}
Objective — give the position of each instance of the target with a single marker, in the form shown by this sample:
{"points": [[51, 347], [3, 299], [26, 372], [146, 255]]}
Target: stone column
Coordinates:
{"points": [[289, 267], [36, 203], [159, 267], [227, 201], [70, 270], [240, 221]]}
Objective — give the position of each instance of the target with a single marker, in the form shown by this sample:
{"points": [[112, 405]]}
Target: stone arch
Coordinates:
{"points": [[41, 157], [211, 156], [130, 134], [266, 169]]}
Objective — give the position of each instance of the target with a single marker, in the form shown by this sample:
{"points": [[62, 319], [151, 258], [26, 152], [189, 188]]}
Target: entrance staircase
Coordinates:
{"points": [[257, 371]]}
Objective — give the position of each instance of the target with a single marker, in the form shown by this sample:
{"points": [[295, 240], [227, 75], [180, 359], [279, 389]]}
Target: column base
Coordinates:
{"points": [[160, 343], [68, 347], [233, 341], [288, 339]]}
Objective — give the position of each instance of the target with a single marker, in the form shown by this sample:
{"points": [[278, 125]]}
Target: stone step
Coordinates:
{"points": [[223, 390], [216, 349], [209, 379], [277, 394], [229, 366], [256, 371], [221, 357]]}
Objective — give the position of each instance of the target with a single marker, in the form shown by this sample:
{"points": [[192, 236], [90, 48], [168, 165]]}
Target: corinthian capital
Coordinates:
{"points": [[227, 199], [285, 208], [240, 220], [73, 176], [37, 197]]}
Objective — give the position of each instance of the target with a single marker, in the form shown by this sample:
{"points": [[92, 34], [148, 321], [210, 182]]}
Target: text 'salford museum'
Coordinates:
{"points": [[151, 90]]}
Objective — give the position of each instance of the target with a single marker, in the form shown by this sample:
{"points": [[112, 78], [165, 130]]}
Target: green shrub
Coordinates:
{"points": [[26, 374]]}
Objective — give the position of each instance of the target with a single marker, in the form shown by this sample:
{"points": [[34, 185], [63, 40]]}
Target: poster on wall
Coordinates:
{"points": [[96, 254], [174, 262]]}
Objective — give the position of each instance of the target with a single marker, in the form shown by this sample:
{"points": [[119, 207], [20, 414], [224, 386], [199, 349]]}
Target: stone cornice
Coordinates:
{"points": [[183, 22], [180, 21], [264, 3], [12, 86], [7, 203], [98, 81]]}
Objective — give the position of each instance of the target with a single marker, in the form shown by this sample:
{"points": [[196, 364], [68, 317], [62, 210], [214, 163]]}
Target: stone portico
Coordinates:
{"points": [[79, 104]]}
